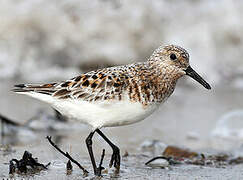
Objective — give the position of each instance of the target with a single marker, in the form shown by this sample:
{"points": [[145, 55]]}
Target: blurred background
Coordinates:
{"points": [[42, 41]]}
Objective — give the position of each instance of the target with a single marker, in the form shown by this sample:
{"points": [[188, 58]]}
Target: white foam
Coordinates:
{"points": [[230, 126]]}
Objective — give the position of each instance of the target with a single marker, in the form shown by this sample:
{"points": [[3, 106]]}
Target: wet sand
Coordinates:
{"points": [[189, 111]]}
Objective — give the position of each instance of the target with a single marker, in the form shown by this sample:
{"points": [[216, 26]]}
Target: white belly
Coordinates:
{"points": [[105, 114], [100, 114]]}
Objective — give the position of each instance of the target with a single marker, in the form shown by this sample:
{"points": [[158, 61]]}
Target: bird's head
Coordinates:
{"points": [[177, 58]]}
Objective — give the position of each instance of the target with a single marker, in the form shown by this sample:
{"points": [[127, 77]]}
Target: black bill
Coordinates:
{"points": [[190, 72]]}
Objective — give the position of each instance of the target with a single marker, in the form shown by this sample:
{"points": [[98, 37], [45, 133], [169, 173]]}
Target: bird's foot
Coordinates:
{"points": [[115, 160]]}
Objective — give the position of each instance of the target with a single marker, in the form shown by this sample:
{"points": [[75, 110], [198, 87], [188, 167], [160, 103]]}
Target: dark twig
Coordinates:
{"points": [[169, 159], [155, 158], [8, 121], [101, 160], [66, 155], [59, 116], [69, 167]]}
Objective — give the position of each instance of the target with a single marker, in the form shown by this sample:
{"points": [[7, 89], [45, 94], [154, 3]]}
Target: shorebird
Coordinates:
{"points": [[116, 96]]}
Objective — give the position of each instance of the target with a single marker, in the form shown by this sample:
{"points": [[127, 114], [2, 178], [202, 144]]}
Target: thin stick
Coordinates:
{"points": [[155, 158], [101, 160], [66, 155]]}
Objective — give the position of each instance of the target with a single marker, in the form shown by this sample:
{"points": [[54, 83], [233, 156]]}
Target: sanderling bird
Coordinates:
{"points": [[117, 96]]}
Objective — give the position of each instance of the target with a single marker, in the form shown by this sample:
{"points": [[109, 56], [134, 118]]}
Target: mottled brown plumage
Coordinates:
{"points": [[147, 82]]}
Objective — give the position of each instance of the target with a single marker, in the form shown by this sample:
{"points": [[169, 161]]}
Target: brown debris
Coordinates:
{"points": [[238, 160], [126, 154], [175, 155], [219, 157], [176, 152]]}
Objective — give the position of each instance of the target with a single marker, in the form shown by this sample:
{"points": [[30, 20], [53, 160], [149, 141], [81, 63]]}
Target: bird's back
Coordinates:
{"points": [[127, 93]]}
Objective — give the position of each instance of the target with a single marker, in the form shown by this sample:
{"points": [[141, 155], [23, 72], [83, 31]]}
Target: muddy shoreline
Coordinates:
{"points": [[173, 124]]}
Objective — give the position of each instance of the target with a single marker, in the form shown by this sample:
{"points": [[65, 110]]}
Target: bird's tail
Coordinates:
{"points": [[47, 89]]}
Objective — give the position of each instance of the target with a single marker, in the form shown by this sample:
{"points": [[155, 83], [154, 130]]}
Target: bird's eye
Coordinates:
{"points": [[173, 57]]}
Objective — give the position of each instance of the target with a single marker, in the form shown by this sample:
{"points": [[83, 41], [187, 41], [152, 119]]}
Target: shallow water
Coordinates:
{"points": [[186, 119]]}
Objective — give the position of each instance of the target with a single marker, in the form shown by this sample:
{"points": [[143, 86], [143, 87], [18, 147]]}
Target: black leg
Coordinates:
{"points": [[115, 158], [91, 154]]}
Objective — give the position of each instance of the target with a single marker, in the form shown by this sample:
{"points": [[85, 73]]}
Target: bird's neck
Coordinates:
{"points": [[165, 72], [152, 82], [164, 79]]}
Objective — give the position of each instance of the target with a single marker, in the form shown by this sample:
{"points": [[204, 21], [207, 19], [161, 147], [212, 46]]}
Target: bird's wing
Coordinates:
{"points": [[102, 84]]}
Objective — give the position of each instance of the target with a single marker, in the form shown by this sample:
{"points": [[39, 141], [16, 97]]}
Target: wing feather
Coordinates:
{"points": [[103, 84]]}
